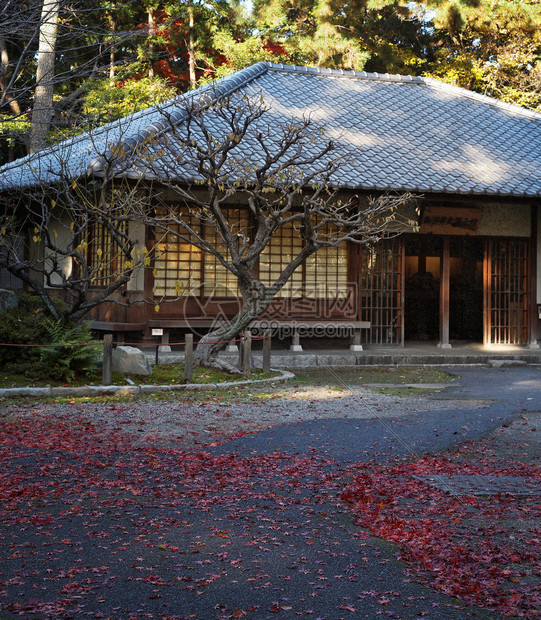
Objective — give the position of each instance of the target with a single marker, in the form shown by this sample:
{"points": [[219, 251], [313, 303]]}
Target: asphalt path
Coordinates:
{"points": [[280, 545], [507, 391]]}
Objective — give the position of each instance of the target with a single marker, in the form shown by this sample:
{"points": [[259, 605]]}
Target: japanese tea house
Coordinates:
{"points": [[472, 271]]}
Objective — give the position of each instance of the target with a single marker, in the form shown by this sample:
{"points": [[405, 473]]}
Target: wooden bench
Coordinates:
{"points": [[118, 329], [296, 327], [190, 323], [182, 323]]}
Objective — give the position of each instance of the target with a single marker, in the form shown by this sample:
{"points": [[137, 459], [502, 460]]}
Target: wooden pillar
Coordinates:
{"points": [[534, 316], [267, 352], [148, 282], [444, 296], [421, 260], [107, 368], [188, 358]]}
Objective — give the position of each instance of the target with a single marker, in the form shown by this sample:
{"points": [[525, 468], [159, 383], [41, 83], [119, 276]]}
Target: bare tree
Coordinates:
{"points": [[49, 52], [72, 239], [232, 150]]}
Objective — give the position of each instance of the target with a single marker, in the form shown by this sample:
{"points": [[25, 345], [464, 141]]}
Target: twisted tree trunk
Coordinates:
{"points": [[212, 343]]}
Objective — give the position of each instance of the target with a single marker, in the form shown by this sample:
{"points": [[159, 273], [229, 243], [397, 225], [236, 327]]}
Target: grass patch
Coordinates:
{"points": [[162, 374], [405, 391], [171, 374], [363, 376], [343, 379]]}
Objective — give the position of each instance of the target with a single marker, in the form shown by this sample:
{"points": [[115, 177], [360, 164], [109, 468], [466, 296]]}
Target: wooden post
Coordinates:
{"points": [[267, 351], [188, 358], [444, 296], [534, 314], [247, 354], [107, 368]]}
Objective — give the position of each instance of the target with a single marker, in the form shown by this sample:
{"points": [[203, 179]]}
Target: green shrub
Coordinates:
{"points": [[23, 325], [30, 324], [68, 362]]}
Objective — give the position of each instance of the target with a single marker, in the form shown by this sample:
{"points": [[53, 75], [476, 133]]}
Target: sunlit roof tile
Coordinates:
{"points": [[402, 132]]}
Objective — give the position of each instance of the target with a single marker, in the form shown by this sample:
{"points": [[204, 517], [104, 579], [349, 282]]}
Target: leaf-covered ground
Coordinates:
{"points": [[97, 525], [97, 522], [485, 549]]}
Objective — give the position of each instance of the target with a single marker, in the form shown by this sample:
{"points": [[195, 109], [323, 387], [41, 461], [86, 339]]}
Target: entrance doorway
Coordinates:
{"points": [[423, 282], [447, 290], [466, 289], [422, 287]]}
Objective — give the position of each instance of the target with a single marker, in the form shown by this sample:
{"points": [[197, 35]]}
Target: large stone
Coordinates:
{"points": [[130, 361], [8, 300]]}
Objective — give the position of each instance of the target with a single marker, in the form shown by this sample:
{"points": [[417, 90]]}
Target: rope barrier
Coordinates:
{"points": [[64, 344], [134, 344], [175, 344]]}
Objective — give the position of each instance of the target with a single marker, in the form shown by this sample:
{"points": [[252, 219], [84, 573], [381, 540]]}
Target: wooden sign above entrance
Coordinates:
{"points": [[450, 220]]}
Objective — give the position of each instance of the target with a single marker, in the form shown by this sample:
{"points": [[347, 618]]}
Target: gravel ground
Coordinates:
{"points": [[206, 418]]}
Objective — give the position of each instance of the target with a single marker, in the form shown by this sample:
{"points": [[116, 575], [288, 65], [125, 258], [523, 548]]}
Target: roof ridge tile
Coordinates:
{"points": [[470, 94], [408, 79], [384, 77]]}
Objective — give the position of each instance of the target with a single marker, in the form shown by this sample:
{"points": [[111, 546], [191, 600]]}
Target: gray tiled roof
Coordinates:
{"points": [[406, 133]]}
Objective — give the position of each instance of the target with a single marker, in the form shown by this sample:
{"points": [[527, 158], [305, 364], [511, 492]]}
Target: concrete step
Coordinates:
{"points": [[292, 360]]}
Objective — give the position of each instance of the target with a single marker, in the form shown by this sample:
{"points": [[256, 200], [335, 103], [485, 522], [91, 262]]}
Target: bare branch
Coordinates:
{"points": [[230, 152]]}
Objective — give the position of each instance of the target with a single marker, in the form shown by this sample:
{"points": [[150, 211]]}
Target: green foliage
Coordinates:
{"points": [[240, 54], [30, 324], [490, 46], [459, 71], [23, 325], [12, 129], [12, 135], [105, 103], [315, 33], [71, 360]]}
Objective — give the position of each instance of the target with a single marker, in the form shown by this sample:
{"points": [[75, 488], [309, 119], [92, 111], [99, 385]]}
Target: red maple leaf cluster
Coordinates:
{"points": [[68, 482], [483, 549]]}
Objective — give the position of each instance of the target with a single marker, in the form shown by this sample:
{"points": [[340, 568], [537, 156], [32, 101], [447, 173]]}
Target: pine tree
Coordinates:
{"points": [[492, 46]]}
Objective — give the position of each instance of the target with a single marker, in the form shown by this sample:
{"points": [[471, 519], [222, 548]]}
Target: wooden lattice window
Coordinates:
{"points": [[218, 280], [326, 271], [323, 276], [507, 294], [105, 258], [381, 294], [282, 248], [177, 263]]}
